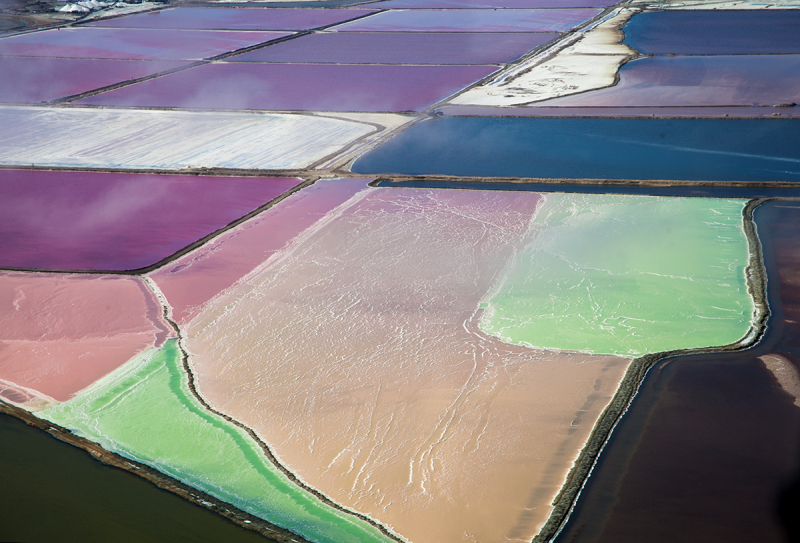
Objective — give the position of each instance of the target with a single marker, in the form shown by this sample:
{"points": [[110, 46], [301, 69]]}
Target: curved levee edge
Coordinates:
{"points": [[266, 449], [756, 277]]}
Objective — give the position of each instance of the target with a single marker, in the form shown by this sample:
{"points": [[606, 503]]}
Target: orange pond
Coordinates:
{"points": [[355, 353]]}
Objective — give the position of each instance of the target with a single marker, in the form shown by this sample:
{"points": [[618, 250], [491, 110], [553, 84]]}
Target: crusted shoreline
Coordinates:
{"points": [[755, 273]]}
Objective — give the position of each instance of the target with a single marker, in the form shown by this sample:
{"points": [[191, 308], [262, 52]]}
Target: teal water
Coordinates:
{"points": [[145, 411], [626, 275]]}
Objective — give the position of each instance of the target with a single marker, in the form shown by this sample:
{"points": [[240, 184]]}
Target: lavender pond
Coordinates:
{"points": [[721, 32], [35, 79], [234, 18], [735, 80], [315, 87], [401, 48], [495, 4], [130, 43], [472, 20]]}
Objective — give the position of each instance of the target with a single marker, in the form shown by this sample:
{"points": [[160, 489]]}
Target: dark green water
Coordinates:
{"points": [[52, 491]]}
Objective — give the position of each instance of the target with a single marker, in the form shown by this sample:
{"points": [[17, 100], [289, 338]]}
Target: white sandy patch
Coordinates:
{"points": [[582, 62], [150, 139]]}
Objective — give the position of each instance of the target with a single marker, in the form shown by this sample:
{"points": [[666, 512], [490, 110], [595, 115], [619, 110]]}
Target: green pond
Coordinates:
{"points": [[144, 411], [626, 275]]}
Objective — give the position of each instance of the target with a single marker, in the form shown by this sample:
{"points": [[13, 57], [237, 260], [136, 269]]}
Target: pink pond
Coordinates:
{"points": [[117, 221], [235, 18], [401, 48], [495, 4], [63, 332], [43, 79], [740, 80], [194, 279], [318, 87], [121, 43], [472, 20]]}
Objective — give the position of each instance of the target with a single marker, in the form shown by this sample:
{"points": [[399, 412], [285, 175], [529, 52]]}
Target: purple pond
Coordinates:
{"points": [[116, 221], [494, 4], [472, 20], [282, 87], [737, 80], [235, 18], [129, 43], [33, 79], [401, 48]]}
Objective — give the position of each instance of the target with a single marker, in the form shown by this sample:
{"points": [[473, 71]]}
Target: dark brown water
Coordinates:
{"points": [[711, 441], [52, 491]]}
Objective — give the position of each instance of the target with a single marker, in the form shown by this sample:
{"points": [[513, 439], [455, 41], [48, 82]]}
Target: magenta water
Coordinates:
{"points": [[32, 79], [131, 43], [320, 87], [116, 221], [472, 20], [715, 32], [235, 18], [401, 48]]}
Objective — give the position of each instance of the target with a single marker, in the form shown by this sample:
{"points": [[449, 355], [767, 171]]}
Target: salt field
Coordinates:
{"points": [[418, 271], [173, 140]]}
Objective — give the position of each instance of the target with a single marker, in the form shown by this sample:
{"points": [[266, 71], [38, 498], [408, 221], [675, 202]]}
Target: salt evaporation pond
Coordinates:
{"points": [[195, 278], [117, 221], [146, 412], [471, 20], [626, 275], [714, 32], [221, 18], [401, 48], [352, 345], [494, 4], [679, 149], [61, 333], [315, 87], [38, 79], [124, 43], [736, 80], [357, 355]]}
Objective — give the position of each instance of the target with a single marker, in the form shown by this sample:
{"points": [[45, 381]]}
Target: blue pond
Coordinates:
{"points": [[580, 148], [727, 32]]}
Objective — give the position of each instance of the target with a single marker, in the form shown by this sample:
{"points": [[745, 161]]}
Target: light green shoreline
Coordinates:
{"points": [[145, 411], [626, 275]]}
